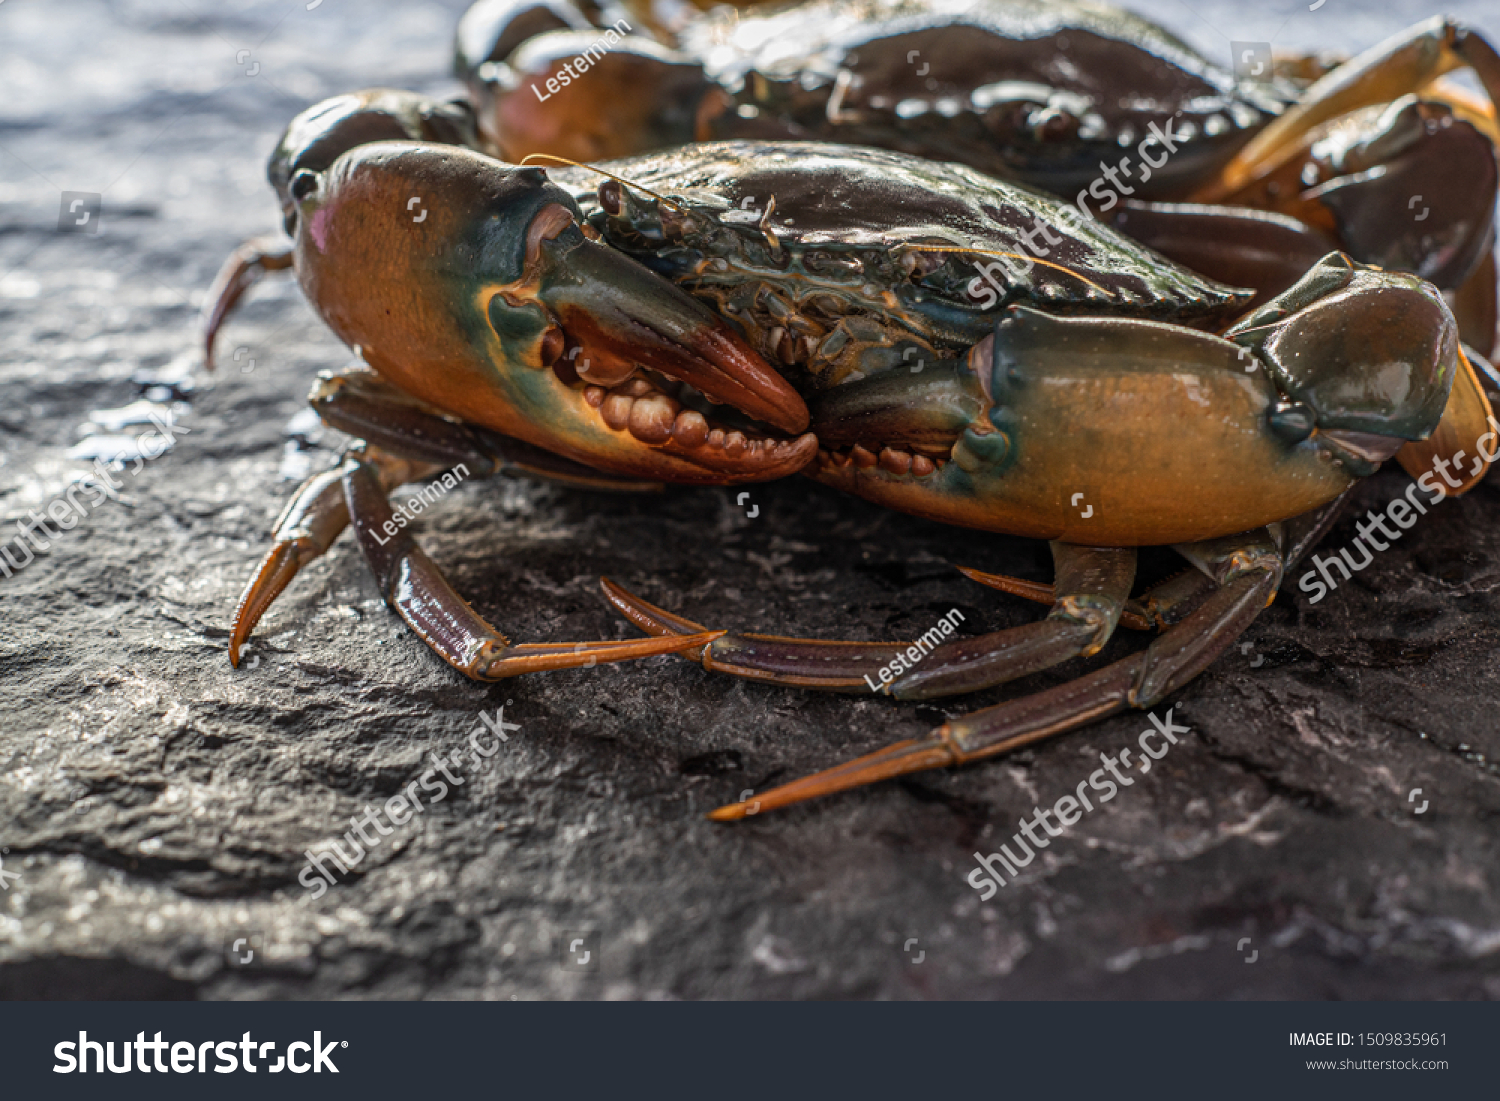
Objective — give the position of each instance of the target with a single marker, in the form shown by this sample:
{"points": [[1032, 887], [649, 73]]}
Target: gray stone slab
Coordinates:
{"points": [[156, 804]]}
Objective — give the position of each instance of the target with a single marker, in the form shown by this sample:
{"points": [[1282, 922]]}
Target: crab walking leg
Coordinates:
{"points": [[810, 663], [1170, 601], [1094, 583], [368, 407], [1159, 607], [314, 517], [1247, 578], [1246, 571], [411, 583], [405, 442], [245, 267], [1403, 63]]}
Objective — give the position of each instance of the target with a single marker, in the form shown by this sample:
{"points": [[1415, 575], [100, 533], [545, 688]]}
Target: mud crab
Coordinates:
{"points": [[1091, 103], [735, 312]]}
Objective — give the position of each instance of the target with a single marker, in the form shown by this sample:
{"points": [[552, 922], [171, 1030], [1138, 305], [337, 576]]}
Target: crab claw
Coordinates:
{"points": [[470, 285], [623, 315]]}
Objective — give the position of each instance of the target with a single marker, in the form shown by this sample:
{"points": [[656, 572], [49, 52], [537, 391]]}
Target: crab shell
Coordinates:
{"points": [[991, 400]]}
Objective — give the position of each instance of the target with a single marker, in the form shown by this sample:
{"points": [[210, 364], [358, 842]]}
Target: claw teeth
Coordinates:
{"points": [[895, 462], [690, 428], [652, 418], [640, 406], [616, 411], [891, 460]]}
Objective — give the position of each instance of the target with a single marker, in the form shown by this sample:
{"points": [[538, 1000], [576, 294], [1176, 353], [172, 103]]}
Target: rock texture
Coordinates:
{"points": [[156, 804]]}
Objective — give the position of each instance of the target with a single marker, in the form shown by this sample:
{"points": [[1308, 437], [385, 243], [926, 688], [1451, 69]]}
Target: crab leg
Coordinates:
{"points": [[1159, 607], [1408, 61], [430, 443], [311, 521], [1245, 570], [246, 266], [411, 583], [1094, 583], [368, 407]]}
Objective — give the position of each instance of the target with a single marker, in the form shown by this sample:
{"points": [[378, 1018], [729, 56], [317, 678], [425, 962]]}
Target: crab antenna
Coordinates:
{"points": [[618, 179], [1012, 255]]}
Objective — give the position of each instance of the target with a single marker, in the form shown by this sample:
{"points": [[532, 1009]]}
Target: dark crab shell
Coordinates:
{"points": [[1032, 90], [831, 258]]}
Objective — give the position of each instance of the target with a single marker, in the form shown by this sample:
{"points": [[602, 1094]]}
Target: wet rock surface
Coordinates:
{"points": [[155, 804]]}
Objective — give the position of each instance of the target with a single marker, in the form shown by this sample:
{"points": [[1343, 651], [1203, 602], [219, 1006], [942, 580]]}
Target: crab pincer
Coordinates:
{"points": [[499, 339]]}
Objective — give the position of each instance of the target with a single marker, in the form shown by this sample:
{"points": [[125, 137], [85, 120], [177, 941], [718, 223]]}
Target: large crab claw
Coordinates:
{"points": [[471, 285]]}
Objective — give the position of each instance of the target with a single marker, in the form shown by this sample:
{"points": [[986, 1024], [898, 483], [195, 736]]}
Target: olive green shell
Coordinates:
{"points": [[830, 258]]}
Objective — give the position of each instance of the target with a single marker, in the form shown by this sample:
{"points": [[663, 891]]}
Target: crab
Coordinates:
{"points": [[1248, 181], [735, 312]]}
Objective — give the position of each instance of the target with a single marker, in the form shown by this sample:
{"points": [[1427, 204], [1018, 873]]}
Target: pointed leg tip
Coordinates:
{"points": [[621, 597], [656, 621], [894, 760], [745, 808]]}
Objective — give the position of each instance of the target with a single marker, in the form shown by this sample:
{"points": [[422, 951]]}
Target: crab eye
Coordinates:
{"points": [[303, 184], [609, 197]]}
